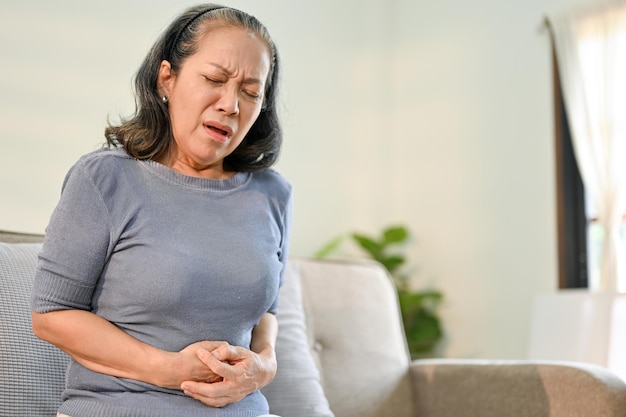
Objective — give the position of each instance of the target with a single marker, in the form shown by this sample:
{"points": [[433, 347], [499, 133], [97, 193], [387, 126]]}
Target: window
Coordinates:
{"points": [[590, 103]]}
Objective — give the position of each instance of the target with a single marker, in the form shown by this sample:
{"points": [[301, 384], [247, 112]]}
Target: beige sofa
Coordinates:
{"points": [[340, 348]]}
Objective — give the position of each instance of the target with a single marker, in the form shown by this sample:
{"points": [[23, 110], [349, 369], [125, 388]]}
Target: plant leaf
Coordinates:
{"points": [[393, 262], [329, 247], [395, 234], [422, 326], [369, 245]]}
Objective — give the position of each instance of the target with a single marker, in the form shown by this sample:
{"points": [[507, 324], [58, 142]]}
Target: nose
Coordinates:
{"points": [[228, 102]]}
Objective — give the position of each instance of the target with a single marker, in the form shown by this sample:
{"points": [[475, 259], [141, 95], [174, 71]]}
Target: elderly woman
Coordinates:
{"points": [[160, 270]]}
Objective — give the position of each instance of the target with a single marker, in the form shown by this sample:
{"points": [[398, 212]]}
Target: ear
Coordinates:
{"points": [[165, 78]]}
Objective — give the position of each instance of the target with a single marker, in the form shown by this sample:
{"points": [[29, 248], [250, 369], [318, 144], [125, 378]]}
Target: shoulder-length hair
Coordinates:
{"points": [[148, 133]]}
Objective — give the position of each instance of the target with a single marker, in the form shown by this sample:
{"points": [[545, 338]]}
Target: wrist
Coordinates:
{"points": [[163, 368], [269, 353], [270, 365]]}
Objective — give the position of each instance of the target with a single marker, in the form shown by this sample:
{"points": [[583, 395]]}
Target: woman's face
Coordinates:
{"points": [[214, 99]]}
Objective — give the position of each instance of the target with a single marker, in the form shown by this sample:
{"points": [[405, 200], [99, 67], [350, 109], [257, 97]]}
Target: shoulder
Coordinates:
{"points": [[100, 165], [103, 162], [273, 183], [103, 158]]}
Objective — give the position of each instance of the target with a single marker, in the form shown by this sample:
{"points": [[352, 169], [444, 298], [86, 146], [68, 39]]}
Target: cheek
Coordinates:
{"points": [[245, 124], [252, 116], [184, 116]]}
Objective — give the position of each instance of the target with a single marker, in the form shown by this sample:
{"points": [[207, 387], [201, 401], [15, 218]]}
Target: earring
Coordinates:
{"points": [[165, 99]]}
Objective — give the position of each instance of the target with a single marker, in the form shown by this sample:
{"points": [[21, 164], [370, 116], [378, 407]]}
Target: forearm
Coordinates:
{"points": [[264, 334], [264, 343], [102, 347]]}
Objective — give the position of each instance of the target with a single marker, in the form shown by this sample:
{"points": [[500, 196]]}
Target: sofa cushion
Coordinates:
{"points": [[297, 389], [32, 371]]}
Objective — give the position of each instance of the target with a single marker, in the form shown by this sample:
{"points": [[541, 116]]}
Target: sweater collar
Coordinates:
{"points": [[228, 184]]}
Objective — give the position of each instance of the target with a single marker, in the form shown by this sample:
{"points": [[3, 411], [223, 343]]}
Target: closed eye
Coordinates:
{"points": [[213, 80], [252, 94], [249, 89]]}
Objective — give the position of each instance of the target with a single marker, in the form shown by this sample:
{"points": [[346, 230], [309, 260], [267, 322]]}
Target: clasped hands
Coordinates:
{"points": [[218, 374]]}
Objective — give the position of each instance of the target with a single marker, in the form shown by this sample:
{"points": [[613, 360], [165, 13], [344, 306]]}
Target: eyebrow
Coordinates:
{"points": [[250, 80]]}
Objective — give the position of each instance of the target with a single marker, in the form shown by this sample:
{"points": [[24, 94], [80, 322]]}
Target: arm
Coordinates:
{"points": [[243, 371], [102, 347], [264, 344]]}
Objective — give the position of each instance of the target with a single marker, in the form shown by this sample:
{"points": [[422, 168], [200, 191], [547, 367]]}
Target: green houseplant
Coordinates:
{"points": [[422, 324]]}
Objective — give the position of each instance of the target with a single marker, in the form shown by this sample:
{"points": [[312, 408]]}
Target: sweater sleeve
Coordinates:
{"points": [[283, 255], [75, 247]]}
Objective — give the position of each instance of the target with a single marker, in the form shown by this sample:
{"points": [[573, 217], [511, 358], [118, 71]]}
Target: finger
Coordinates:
{"points": [[226, 352], [222, 369], [217, 394], [222, 389], [207, 400], [198, 389], [241, 370]]}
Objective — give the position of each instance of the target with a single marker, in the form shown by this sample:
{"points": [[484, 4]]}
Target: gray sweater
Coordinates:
{"points": [[169, 259]]}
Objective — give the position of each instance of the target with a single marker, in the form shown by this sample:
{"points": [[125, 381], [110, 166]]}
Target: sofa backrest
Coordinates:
{"points": [[356, 334]]}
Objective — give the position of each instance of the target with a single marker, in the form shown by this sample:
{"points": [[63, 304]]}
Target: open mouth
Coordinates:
{"points": [[220, 133], [218, 130]]}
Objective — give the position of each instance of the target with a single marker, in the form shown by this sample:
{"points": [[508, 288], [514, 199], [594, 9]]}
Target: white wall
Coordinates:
{"points": [[437, 115]]}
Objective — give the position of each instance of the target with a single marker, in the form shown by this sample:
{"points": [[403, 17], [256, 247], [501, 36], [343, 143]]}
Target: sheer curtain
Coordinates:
{"points": [[591, 53]]}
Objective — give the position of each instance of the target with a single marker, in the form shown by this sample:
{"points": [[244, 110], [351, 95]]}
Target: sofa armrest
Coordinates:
{"points": [[452, 388]]}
